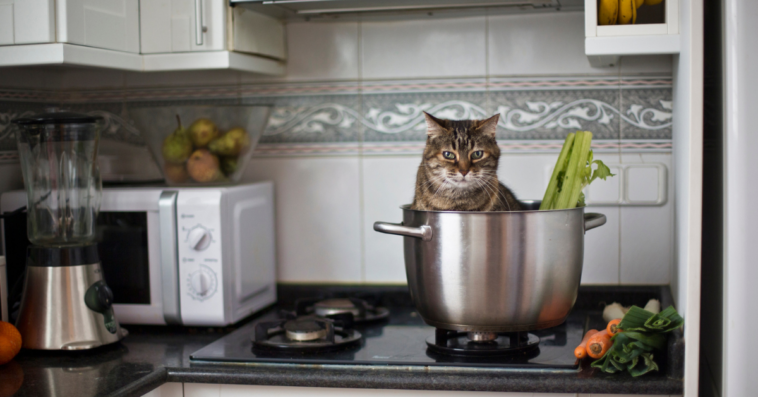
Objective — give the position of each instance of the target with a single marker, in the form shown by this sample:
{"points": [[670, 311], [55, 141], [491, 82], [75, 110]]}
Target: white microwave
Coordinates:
{"points": [[202, 256]]}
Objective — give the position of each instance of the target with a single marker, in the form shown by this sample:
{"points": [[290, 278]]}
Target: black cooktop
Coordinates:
{"points": [[399, 340]]}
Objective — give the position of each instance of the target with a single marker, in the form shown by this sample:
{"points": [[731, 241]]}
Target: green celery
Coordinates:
{"points": [[560, 168]]}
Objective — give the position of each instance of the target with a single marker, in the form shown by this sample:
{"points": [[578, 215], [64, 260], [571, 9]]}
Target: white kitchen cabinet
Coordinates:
{"points": [[27, 21], [108, 24], [603, 45], [182, 25]]}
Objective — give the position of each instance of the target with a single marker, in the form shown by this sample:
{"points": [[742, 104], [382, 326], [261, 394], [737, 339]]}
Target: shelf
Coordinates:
{"points": [[212, 60], [69, 54], [604, 45]]}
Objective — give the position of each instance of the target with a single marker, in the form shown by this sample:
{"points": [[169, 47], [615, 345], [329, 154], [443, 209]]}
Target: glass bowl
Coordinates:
{"points": [[213, 145]]}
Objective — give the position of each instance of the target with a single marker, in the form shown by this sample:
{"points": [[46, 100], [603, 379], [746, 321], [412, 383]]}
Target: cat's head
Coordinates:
{"points": [[463, 153]]}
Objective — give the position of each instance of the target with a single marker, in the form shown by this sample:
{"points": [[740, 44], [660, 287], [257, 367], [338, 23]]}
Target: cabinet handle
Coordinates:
{"points": [[200, 28]]}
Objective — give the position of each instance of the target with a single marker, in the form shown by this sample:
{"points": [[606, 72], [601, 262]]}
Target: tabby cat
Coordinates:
{"points": [[458, 171]]}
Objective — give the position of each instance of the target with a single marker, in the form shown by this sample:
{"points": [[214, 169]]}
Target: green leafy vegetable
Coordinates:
{"points": [[642, 333], [573, 172]]}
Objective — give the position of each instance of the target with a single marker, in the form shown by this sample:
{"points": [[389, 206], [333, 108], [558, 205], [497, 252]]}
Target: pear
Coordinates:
{"points": [[233, 143], [228, 165], [202, 132], [175, 173], [203, 167], [177, 147]]}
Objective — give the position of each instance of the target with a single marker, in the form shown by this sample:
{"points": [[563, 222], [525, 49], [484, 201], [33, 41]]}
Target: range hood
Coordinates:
{"points": [[370, 9]]}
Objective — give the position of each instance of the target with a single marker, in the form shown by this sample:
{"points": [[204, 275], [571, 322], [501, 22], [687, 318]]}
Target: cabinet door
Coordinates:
{"points": [[109, 24], [182, 25], [27, 21]]}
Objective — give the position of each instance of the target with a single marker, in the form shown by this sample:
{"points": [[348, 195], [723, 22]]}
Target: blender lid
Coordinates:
{"points": [[57, 118]]}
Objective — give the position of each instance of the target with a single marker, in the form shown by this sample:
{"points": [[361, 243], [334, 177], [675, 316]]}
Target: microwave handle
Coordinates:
{"points": [[169, 262]]}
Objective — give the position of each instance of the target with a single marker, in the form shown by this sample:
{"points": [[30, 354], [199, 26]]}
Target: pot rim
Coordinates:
{"points": [[407, 207]]}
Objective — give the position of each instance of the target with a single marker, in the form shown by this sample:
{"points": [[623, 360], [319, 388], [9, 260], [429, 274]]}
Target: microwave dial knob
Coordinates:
{"points": [[201, 284], [199, 238]]}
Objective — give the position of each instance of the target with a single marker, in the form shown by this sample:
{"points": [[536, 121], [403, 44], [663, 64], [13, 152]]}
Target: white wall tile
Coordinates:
{"points": [[601, 248], [187, 78], [646, 64], [11, 177], [318, 51], [647, 235], [388, 183], [539, 44], [317, 217], [31, 77], [424, 48], [92, 78]]}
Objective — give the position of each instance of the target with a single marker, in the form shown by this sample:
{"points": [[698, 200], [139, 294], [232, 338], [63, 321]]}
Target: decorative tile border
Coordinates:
{"points": [[385, 117]]}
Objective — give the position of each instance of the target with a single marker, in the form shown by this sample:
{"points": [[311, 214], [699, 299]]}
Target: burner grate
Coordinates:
{"points": [[477, 344]]}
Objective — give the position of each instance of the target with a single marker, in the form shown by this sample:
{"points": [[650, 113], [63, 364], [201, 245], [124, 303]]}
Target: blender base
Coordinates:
{"points": [[65, 305]]}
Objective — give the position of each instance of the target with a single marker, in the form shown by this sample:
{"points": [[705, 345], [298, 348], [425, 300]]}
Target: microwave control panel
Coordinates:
{"points": [[198, 215]]}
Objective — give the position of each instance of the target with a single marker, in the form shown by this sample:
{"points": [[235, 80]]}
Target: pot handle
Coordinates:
{"points": [[423, 232], [593, 220]]}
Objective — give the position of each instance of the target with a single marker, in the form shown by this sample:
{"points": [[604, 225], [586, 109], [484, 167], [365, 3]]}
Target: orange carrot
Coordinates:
{"points": [[599, 344], [581, 350], [612, 327]]}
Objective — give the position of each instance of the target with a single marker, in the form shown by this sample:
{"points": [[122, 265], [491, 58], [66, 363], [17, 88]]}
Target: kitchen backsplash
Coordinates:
{"points": [[344, 139]]}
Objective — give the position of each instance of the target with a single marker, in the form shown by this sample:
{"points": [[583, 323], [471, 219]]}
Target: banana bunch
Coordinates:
{"points": [[620, 12]]}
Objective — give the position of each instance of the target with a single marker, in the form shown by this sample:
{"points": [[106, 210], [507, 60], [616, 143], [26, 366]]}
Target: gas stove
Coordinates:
{"points": [[347, 330]]}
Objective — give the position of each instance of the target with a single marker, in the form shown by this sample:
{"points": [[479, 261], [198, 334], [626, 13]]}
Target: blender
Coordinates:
{"points": [[66, 304]]}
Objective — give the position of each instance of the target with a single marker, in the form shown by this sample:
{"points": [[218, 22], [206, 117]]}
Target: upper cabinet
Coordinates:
{"points": [[182, 25], [614, 28], [27, 21], [140, 35], [109, 24]]}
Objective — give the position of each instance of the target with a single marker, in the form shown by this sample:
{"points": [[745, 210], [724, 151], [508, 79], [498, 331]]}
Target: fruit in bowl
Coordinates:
{"points": [[214, 147]]}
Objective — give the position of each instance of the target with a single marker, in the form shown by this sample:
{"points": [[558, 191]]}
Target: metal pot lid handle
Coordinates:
{"points": [[593, 220], [423, 232]]}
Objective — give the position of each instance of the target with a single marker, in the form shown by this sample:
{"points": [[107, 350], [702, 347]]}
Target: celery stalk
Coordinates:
{"points": [[581, 171], [571, 171], [560, 165]]}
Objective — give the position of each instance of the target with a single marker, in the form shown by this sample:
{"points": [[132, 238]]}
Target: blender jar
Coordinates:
{"points": [[58, 153]]}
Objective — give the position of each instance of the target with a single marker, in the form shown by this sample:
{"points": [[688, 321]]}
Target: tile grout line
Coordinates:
{"points": [[361, 134], [620, 105]]}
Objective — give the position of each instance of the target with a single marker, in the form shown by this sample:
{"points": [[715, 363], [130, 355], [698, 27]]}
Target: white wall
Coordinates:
{"points": [[327, 204]]}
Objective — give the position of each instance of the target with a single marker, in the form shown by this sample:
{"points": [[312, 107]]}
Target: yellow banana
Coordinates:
{"points": [[607, 12], [652, 2], [627, 12], [639, 3]]}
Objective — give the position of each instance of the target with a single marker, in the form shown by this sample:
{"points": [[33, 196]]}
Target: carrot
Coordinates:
{"points": [[612, 327], [599, 344], [581, 350]]}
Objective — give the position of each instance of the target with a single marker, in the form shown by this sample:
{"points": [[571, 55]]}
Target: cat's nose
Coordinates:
{"points": [[464, 172]]}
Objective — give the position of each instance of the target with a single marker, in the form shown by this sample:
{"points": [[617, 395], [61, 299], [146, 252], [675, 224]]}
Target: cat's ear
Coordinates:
{"points": [[489, 126], [434, 126]]}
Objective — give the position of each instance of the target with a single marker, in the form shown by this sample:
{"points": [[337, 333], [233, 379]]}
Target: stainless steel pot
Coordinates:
{"points": [[494, 271]]}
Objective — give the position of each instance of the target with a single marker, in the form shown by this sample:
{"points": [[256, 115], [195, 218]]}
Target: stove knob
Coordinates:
{"points": [[199, 239], [201, 283]]}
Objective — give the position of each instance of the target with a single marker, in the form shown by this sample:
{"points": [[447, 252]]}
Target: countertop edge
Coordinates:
{"points": [[144, 385], [325, 377]]}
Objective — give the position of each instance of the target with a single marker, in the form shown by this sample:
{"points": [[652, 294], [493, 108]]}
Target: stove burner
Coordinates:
{"points": [[482, 337], [303, 334], [481, 344], [301, 329], [361, 311]]}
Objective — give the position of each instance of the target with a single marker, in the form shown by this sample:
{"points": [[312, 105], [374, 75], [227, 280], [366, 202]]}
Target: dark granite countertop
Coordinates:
{"points": [[151, 356]]}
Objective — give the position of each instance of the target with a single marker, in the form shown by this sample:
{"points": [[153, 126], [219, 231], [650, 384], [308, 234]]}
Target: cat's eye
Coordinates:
{"points": [[477, 155], [448, 155]]}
